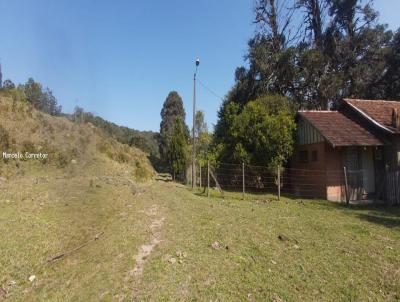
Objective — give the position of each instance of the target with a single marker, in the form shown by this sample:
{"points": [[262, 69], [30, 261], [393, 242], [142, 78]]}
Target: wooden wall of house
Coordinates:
{"points": [[308, 174], [320, 178], [307, 134], [334, 173]]}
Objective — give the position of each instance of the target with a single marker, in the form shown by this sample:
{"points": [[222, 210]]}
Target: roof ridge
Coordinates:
{"points": [[348, 133], [367, 115], [368, 100], [322, 111]]}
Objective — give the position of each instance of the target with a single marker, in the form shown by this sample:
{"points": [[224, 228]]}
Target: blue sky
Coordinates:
{"points": [[119, 59]]}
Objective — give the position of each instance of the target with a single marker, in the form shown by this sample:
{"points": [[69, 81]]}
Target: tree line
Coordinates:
{"points": [[41, 98], [305, 54], [147, 141]]}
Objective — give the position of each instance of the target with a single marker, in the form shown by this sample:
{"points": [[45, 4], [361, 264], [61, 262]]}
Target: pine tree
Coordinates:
{"points": [[177, 149], [171, 111]]}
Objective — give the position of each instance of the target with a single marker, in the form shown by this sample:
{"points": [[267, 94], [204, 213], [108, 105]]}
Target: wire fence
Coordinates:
{"points": [[338, 185], [260, 179]]}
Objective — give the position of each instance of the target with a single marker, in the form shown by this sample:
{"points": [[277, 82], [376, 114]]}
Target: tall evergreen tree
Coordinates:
{"points": [[177, 148], [171, 111]]}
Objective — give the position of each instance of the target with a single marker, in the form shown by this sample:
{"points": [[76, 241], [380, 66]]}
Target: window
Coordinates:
{"points": [[314, 155], [303, 156]]}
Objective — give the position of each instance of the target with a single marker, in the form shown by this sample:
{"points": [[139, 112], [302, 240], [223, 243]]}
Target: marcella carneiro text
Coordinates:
{"points": [[26, 155]]}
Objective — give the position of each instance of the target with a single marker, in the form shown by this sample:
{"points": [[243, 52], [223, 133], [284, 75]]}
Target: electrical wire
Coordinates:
{"points": [[209, 90]]}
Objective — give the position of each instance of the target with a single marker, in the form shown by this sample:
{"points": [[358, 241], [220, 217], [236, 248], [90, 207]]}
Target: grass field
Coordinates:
{"points": [[193, 248]]}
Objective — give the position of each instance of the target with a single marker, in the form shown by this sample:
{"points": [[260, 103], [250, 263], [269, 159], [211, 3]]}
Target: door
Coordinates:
{"points": [[368, 171], [353, 164]]}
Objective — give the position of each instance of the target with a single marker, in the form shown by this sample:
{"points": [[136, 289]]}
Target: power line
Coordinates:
{"points": [[209, 89]]}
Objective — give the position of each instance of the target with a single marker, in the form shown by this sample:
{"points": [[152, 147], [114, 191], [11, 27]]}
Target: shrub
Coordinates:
{"points": [[141, 173], [62, 160], [28, 146], [121, 157], [4, 138]]}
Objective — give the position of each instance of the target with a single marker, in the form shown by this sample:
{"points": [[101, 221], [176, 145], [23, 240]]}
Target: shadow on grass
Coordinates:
{"points": [[390, 222], [380, 210], [387, 216]]}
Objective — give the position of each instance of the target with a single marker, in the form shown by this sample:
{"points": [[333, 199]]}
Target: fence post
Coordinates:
{"points": [[190, 178], [243, 183], [208, 178], [200, 175], [346, 188], [279, 182]]}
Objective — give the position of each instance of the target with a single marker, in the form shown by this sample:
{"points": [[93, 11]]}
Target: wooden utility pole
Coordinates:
{"points": [[208, 178], [193, 130]]}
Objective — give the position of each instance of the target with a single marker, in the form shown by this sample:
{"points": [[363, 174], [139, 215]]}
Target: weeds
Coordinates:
{"points": [[4, 138]]}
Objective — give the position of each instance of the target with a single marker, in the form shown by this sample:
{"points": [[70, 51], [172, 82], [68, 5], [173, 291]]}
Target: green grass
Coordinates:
{"points": [[54, 212], [333, 253], [330, 252]]}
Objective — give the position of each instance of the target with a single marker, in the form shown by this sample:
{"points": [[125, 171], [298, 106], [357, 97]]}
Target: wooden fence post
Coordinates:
{"points": [[243, 183], [279, 182], [208, 178], [200, 174], [346, 188]]}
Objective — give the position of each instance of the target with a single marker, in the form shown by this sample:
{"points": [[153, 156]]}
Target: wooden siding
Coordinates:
{"points": [[393, 187], [307, 134]]}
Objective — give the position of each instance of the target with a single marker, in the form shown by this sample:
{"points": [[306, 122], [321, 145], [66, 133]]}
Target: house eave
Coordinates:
{"points": [[363, 114]]}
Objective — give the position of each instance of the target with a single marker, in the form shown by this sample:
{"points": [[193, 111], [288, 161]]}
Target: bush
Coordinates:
{"points": [[4, 138], [141, 173], [121, 157], [117, 153], [62, 160], [28, 146]]}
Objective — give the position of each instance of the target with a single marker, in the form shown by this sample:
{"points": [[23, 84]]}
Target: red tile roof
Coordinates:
{"points": [[379, 111], [340, 130]]}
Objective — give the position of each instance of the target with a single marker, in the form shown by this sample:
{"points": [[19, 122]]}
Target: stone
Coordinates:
{"points": [[181, 254], [215, 245], [32, 278]]}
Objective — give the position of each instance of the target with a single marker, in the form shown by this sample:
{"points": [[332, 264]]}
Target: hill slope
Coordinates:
{"points": [[25, 130], [51, 205]]}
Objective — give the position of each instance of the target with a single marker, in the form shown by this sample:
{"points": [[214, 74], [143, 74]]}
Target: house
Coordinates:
{"points": [[349, 154]]}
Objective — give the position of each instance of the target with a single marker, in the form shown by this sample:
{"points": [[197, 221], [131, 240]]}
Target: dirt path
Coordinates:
{"points": [[146, 249]]}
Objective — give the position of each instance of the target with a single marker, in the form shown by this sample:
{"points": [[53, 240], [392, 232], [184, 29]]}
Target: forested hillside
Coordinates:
{"points": [[55, 142], [43, 100], [144, 140]]}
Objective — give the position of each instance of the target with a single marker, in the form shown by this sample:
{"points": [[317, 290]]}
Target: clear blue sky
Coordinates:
{"points": [[119, 59]]}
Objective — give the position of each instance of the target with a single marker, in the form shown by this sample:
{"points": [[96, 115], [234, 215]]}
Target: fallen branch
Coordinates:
{"points": [[59, 256], [216, 183]]}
